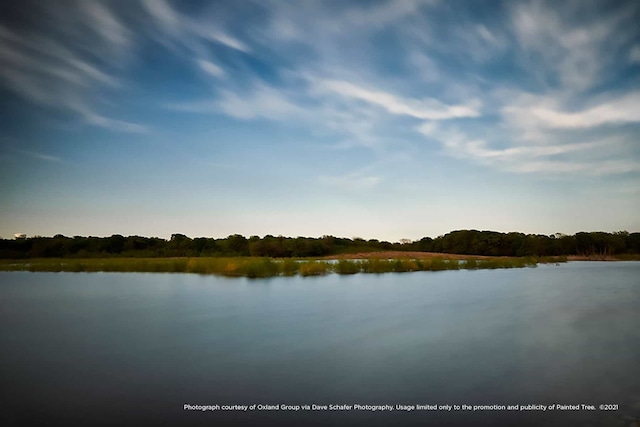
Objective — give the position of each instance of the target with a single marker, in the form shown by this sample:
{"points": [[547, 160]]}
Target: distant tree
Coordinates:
{"points": [[113, 244], [584, 244], [425, 244], [470, 242], [632, 243], [238, 244], [384, 245]]}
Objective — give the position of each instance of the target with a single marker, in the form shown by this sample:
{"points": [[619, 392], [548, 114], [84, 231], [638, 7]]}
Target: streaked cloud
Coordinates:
{"points": [[546, 112], [594, 156], [55, 73], [106, 24], [221, 37], [261, 102], [112, 124], [40, 156], [573, 44], [430, 108], [211, 68], [164, 15]]}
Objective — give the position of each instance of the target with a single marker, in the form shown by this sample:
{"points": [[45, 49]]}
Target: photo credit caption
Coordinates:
{"points": [[399, 407]]}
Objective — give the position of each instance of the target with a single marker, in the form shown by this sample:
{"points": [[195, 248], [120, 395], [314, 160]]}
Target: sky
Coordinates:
{"points": [[374, 119]]}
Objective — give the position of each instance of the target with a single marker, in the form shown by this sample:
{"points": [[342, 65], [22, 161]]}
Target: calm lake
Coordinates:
{"points": [[121, 348]]}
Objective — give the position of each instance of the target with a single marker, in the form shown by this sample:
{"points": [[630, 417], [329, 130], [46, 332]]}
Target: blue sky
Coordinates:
{"points": [[375, 119]]}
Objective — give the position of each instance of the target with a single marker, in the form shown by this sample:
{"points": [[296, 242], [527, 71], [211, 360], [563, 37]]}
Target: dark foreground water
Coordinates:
{"points": [[119, 348]]}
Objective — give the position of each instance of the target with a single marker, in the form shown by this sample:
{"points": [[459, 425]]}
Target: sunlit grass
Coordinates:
{"points": [[267, 267]]}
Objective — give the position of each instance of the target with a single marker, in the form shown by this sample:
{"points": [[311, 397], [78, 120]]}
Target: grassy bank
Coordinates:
{"points": [[267, 267]]}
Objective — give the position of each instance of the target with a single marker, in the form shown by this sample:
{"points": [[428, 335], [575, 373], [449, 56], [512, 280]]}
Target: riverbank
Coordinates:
{"points": [[382, 262]]}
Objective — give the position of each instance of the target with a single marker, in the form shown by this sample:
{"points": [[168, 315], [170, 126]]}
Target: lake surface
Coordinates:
{"points": [[115, 348]]}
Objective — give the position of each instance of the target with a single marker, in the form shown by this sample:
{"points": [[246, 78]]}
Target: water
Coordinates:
{"points": [[115, 348]]}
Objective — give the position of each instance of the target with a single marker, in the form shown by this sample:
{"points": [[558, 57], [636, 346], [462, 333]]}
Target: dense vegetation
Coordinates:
{"points": [[264, 267], [468, 242]]}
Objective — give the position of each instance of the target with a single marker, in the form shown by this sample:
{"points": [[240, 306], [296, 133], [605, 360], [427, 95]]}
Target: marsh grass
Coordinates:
{"points": [[437, 264], [347, 267], [313, 268], [376, 266], [254, 267], [289, 267], [470, 264]]}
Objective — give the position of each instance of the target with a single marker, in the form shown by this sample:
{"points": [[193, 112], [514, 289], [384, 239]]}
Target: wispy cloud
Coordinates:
{"points": [[40, 69], [164, 15], [570, 167], [430, 108], [480, 149], [383, 13], [114, 125], [41, 156], [262, 101], [591, 157], [10, 149], [259, 100], [188, 31], [569, 42], [338, 19], [106, 24], [211, 68], [63, 62], [93, 118], [54, 71], [546, 112], [220, 36]]}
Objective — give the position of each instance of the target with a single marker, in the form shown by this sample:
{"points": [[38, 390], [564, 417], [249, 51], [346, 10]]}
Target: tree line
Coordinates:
{"points": [[467, 242]]}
